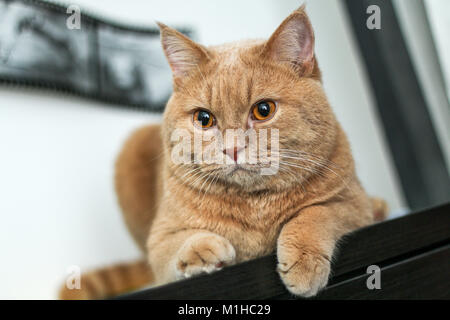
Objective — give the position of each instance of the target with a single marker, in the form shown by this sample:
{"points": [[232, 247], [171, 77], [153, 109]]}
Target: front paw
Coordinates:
{"points": [[203, 253], [304, 271]]}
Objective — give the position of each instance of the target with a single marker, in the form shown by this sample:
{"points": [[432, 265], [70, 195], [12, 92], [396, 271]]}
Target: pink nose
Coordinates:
{"points": [[232, 152]]}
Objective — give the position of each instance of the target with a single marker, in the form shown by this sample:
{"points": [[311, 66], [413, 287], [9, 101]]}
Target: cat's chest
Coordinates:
{"points": [[253, 228], [252, 243], [251, 224]]}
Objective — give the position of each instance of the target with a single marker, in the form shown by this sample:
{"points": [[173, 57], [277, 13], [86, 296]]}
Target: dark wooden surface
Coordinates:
{"points": [[425, 276], [412, 251]]}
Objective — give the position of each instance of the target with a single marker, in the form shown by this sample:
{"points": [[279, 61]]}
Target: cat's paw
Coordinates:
{"points": [[304, 272], [203, 253]]}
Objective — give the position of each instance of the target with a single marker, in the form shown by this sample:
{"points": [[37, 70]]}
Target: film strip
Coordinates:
{"points": [[59, 47]]}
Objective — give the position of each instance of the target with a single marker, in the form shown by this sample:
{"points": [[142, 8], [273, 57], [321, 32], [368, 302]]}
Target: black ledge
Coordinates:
{"points": [[413, 253]]}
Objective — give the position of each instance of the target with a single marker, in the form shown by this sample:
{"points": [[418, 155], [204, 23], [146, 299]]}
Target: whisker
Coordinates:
{"points": [[295, 177], [201, 176], [215, 177], [188, 180], [190, 171], [312, 156], [209, 175], [320, 164], [300, 167]]}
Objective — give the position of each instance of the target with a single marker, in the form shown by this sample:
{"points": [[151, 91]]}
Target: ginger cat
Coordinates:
{"points": [[191, 218]]}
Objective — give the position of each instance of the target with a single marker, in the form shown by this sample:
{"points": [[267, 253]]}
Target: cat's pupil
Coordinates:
{"points": [[264, 109], [203, 118]]}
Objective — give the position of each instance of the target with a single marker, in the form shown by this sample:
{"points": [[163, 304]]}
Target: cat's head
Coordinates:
{"points": [[255, 88]]}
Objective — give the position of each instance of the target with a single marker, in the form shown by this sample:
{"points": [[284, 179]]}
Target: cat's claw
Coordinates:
{"points": [[203, 253], [304, 274]]}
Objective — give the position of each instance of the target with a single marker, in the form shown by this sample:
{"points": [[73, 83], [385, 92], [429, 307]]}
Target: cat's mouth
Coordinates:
{"points": [[237, 168]]}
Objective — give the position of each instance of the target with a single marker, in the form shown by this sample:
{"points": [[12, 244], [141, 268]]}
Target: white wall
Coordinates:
{"points": [[438, 12], [57, 202]]}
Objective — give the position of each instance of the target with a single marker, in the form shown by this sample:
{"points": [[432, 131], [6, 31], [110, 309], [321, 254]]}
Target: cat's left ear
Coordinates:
{"points": [[293, 42]]}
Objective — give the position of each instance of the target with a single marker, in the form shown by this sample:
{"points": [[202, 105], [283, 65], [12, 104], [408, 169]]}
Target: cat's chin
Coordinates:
{"points": [[240, 170], [251, 179], [237, 171], [245, 177]]}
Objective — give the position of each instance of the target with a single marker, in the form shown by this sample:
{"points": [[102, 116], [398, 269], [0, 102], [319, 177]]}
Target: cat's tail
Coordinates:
{"points": [[110, 281], [380, 209]]}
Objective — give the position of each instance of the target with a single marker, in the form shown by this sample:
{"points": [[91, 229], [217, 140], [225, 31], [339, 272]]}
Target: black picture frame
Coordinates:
{"points": [[401, 105]]}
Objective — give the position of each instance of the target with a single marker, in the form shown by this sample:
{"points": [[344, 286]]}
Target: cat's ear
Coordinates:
{"points": [[183, 54], [293, 42]]}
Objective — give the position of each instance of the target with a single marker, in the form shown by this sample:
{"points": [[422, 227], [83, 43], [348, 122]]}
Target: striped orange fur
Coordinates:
{"points": [[110, 281]]}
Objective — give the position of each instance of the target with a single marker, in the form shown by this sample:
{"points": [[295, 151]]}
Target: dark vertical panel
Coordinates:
{"points": [[401, 106]]}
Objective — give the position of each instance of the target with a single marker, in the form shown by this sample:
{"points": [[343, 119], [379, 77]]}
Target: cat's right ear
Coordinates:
{"points": [[183, 54], [293, 42]]}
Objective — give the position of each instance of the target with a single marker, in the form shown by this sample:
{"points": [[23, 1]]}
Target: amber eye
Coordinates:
{"points": [[204, 119], [263, 110]]}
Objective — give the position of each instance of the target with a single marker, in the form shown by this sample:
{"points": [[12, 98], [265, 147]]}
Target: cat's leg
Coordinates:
{"points": [[306, 243], [138, 182], [185, 253]]}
